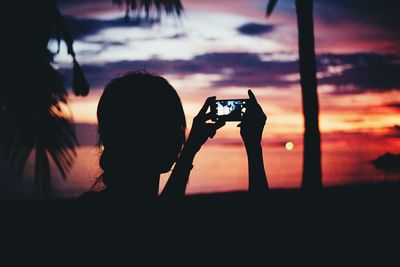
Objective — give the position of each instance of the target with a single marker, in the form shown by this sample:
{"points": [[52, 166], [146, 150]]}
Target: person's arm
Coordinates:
{"points": [[200, 132], [176, 184], [257, 176], [251, 129]]}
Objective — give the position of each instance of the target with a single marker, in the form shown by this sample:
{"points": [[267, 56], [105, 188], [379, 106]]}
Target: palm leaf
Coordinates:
{"points": [[31, 118], [270, 7], [80, 85], [169, 6]]}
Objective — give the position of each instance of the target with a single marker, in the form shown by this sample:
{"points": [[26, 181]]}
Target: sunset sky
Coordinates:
{"points": [[222, 48]]}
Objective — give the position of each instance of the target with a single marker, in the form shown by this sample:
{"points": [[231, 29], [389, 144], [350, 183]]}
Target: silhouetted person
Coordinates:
{"points": [[142, 131], [141, 126]]}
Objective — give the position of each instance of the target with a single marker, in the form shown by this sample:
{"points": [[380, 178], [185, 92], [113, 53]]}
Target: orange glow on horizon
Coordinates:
{"points": [[351, 113]]}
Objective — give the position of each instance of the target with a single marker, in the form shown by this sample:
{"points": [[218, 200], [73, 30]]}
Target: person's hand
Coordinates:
{"points": [[201, 129], [252, 124]]}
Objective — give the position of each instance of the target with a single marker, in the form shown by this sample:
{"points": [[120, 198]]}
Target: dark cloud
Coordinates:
{"points": [[363, 72], [236, 69], [370, 22], [382, 13], [395, 105], [366, 72], [76, 5], [88, 26], [371, 78], [255, 29], [393, 131], [356, 59]]}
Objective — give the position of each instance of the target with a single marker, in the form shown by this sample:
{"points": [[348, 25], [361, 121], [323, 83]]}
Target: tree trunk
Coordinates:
{"points": [[312, 174]]}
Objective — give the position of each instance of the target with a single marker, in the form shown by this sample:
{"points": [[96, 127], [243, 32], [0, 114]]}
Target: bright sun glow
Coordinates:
{"points": [[289, 146]]}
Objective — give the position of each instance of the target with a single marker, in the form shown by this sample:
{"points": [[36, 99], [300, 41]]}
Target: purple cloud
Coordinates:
{"points": [[255, 29], [88, 26], [364, 72]]}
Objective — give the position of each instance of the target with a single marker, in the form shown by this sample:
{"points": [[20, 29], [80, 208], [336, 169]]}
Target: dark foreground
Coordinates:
{"points": [[355, 223]]}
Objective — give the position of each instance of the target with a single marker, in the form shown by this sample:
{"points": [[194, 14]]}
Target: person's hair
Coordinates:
{"points": [[140, 117]]}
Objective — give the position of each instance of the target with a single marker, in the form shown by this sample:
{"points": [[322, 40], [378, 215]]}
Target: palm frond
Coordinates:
{"points": [[16, 140], [61, 31], [168, 6], [80, 85], [42, 170], [31, 118], [270, 7]]}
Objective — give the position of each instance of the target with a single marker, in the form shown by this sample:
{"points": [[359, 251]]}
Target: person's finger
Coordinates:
{"points": [[211, 130], [253, 106], [219, 124], [212, 133], [252, 96], [213, 127], [206, 117], [207, 103]]}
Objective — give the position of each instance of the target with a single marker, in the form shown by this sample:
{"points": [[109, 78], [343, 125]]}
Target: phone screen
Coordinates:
{"points": [[229, 109]]}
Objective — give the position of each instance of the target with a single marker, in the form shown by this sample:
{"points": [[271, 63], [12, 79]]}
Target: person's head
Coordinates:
{"points": [[141, 127]]}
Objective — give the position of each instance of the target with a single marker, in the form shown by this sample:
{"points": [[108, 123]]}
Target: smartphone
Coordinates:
{"points": [[228, 109]]}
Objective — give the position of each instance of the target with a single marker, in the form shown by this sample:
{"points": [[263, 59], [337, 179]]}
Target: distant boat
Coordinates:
{"points": [[388, 162]]}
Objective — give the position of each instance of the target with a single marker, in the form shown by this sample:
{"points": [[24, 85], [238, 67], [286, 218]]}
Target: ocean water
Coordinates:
{"points": [[221, 168]]}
